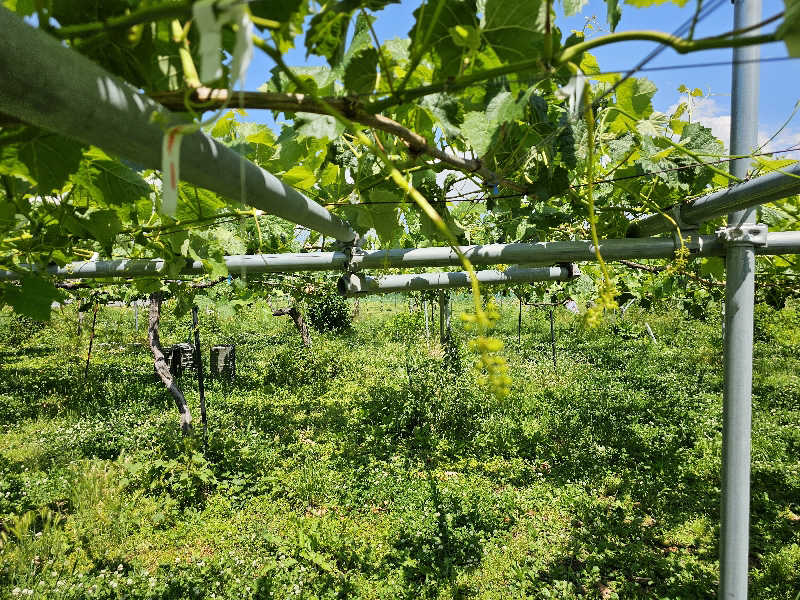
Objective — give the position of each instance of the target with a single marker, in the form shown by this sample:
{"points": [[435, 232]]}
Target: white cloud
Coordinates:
{"points": [[710, 113]]}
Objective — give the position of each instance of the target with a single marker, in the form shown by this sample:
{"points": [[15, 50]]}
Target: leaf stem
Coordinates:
{"points": [[169, 10], [680, 45]]}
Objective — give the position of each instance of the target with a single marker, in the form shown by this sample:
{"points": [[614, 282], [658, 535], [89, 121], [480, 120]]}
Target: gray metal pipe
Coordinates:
{"points": [[55, 88], [357, 284], [566, 251], [786, 242], [740, 266], [760, 190], [238, 264]]}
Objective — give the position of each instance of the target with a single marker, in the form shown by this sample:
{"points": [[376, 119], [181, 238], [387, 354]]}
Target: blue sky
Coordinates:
{"points": [[780, 81]]}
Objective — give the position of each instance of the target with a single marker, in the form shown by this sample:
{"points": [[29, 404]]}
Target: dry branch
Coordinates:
{"points": [[162, 368], [299, 323], [209, 99]]}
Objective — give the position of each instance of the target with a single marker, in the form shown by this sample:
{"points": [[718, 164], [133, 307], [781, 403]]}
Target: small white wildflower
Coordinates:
{"points": [[16, 591]]}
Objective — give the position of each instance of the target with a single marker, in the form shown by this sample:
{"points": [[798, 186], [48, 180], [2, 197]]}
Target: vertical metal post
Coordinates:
{"points": [[738, 344], [425, 311], [91, 342], [442, 316], [519, 324], [198, 357], [448, 315], [553, 336], [136, 315]]}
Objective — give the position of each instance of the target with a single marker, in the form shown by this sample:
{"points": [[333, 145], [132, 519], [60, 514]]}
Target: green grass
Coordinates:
{"points": [[373, 466]]}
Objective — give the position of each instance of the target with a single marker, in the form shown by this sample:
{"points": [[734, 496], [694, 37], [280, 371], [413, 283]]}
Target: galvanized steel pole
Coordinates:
{"points": [[355, 284], [55, 88], [759, 190], [783, 242], [739, 297]]}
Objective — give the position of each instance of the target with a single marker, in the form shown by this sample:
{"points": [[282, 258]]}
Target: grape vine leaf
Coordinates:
{"points": [[300, 176], [318, 126], [361, 72], [288, 13], [633, 96], [197, 203], [108, 181], [789, 30], [45, 160], [613, 14], [446, 111], [431, 32], [33, 297], [361, 39], [102, 225], [573, 7], [515, 29], [327, 30], [480, 128], [383, 214], [478, 131]]}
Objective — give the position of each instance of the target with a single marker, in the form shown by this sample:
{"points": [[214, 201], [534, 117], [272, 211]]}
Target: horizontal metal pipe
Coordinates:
{"points": [[787, 242], [760, 190], [237, 264], [55, 88], [357, 284]]}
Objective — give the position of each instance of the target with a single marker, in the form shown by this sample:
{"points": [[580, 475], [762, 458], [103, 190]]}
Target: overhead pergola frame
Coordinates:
{"points": [[540, 253], [50, 86]]}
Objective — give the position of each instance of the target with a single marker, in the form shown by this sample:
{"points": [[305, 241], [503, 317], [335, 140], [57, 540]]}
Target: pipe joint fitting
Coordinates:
{"points": [[354, 259], [676, 212], [573, 271], [754, 234]]}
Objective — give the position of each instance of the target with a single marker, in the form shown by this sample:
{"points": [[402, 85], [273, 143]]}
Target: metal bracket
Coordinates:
{"points": [[354, 256], [675, 213], [573, 270], [748, 233]]}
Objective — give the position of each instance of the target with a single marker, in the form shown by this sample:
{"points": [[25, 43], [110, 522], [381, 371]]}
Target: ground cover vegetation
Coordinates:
{"points": [[371, 465], [374, 462]]}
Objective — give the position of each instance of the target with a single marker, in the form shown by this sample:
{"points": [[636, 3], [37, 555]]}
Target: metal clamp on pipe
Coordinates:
{"points": [[354, 257], [573, 271], [748, 233], [677, 215]]}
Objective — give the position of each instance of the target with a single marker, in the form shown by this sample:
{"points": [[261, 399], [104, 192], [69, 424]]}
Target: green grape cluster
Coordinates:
{"points": [[491, 366]]}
